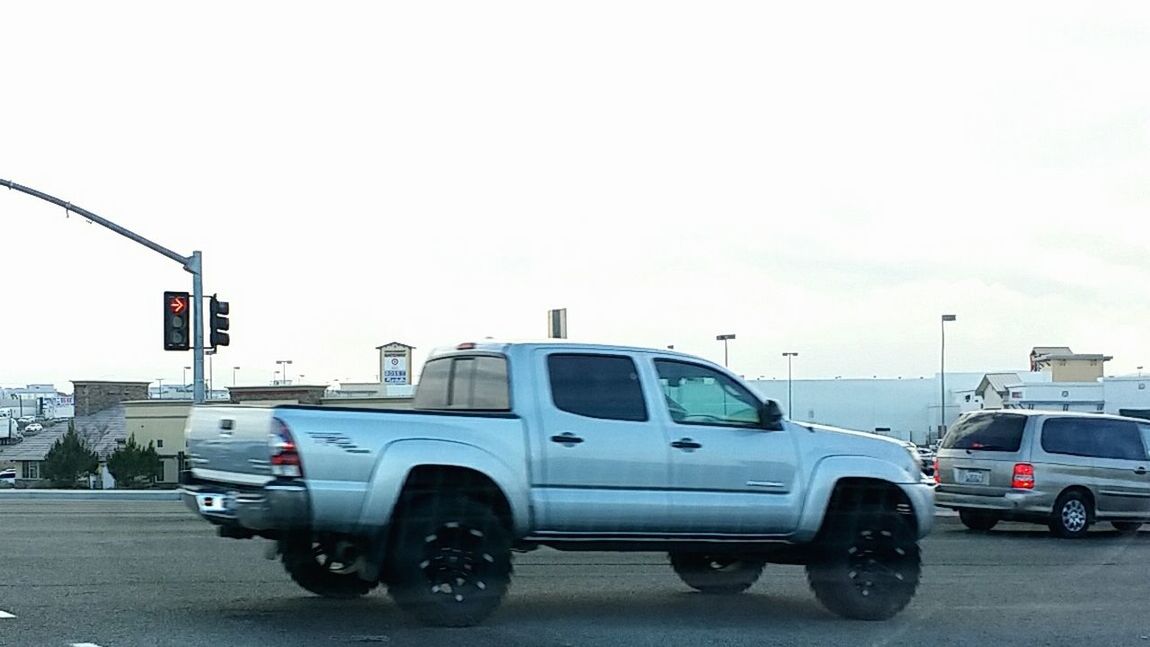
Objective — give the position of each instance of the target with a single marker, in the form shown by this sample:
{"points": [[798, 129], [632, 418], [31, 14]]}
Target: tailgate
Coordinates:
{"points": [[230, 444]]}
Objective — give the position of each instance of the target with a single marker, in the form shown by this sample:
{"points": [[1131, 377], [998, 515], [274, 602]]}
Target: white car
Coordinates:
{"points": [[33, 429], [25, 420], [8, 478]]}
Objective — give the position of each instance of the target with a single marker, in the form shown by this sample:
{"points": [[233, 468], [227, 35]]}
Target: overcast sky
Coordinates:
{"points": [[820, 178]]}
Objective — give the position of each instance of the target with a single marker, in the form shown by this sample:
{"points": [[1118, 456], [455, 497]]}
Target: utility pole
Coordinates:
{"points": [[724, 339], [192, 264], [790, 399]]}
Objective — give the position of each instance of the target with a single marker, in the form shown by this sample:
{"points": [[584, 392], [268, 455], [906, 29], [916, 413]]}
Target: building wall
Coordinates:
{"points": [[1131, 393], [1075, 370], [991, 399], [91, 397], [160, 422]]}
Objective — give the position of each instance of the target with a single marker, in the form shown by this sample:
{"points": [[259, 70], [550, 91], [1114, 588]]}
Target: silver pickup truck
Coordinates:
{"points": [[569, 446]]}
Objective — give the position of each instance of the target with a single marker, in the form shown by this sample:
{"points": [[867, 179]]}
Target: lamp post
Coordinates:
{"points": [[234, 369], [160, 392], [942, 376], [724, 339], [211, 353], [284, 363], [184, 380], [790, 407]]}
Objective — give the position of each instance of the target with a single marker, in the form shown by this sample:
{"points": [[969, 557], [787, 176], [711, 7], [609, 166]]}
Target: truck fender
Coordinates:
{"points": [[830, 470], [399, 458]]}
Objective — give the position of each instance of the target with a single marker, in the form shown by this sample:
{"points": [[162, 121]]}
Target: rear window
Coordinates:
{"points": [[988, 433], [468, 383]]}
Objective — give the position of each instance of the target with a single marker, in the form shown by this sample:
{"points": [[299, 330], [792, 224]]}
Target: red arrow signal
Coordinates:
{"points": [[177, 305]]}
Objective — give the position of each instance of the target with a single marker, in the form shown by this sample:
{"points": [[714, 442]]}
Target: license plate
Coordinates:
{"points": [[215, 503], [972, 477]]}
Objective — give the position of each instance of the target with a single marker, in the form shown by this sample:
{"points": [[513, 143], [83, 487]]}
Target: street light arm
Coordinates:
{"points": [[186, 261]]}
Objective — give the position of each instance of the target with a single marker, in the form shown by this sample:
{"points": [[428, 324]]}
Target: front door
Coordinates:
{"points": [[729, 475], [604, 461]]}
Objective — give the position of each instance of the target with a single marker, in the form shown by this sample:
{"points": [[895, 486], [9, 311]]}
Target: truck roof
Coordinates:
{"points": [[500, 346]]}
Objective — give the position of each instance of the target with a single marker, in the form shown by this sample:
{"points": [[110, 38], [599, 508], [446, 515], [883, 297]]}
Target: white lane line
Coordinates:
{"points": [[85, 645], [5, 614]]}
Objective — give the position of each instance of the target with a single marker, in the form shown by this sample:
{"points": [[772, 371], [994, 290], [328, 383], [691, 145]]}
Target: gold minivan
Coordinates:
{"points": [[1064, 469]]}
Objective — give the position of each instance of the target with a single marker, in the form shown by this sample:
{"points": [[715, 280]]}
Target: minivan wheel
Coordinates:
{"points": [[1070, 518], [978, 519], [1126, 527]]}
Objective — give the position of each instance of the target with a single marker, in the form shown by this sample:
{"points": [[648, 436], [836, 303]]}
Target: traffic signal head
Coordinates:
{"points": [[177, 320], [220, 324]]}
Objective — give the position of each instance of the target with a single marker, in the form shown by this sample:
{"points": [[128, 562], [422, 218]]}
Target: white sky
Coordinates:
{"points": [[825, 178]]}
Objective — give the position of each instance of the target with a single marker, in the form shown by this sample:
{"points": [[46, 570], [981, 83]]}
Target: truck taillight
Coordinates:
{"points": [[937, 472], [284, 454], [1023, 478]]}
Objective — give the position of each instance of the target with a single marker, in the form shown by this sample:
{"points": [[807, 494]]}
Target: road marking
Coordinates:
{"points": [[5, 614], [85, 645]]}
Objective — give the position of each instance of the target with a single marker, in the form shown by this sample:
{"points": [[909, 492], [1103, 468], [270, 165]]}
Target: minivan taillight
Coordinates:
{"points": [[1023, 478], [284, 455], [937, 472]]}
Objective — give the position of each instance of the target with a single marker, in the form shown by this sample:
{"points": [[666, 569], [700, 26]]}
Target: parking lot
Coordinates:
{"points": [[149, 573]]}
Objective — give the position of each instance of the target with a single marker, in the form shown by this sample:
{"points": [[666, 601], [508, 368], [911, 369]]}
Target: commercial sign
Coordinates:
{"points": [[395, 367]]}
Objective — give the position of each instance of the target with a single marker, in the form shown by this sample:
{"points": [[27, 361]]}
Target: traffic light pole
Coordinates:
{"points": [[192, 264]]}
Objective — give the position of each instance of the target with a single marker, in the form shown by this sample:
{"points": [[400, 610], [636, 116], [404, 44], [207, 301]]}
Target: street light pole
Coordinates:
{"points": [[284, 363], [725, 339], [790, 399], [184, 379], [160, 391], [942, 376], [234, 369]]}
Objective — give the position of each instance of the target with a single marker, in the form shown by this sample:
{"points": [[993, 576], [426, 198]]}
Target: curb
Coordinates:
{"points": [[91, 495]]}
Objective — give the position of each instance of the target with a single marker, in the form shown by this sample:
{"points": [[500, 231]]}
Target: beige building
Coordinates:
{"points": [[1064, 365]]}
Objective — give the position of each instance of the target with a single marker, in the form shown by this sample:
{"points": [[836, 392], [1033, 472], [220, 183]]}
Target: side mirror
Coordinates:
{"points": [[771, 416]]}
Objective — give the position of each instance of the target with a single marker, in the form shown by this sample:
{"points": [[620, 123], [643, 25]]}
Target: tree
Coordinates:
{"points": [[133, 463], [69, 459]]}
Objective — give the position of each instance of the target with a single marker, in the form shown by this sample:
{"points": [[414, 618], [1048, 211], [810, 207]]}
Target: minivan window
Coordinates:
{"points": [[1099, 438], [597, 386], [989, 433]]}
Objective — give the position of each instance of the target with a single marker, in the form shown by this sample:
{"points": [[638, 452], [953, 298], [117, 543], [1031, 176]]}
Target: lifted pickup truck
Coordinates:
{"points": [[574, 447]]}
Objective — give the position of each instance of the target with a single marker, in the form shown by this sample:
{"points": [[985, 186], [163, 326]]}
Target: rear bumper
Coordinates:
{"points": [[1014, 502], [272, 507]]}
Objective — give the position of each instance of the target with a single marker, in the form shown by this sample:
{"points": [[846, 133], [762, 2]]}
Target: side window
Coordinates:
{"points": [[475, 383], [1118, 439], [1099, 438], [596, 386], [1067, 436], [697, 395], [1144, 429]]}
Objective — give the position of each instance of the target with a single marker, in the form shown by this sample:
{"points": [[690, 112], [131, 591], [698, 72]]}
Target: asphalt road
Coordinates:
{"points": [[116, 574]]}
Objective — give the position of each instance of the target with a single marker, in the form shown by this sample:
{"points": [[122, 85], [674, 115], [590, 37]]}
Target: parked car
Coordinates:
{"points": [[8, 478], [33, 429], [575, 447], [1066, 470], [26, 420], [926, 455]]}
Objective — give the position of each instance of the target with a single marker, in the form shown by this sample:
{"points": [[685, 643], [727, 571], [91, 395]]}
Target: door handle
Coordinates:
{"points": [[566, 438], [1140, 470], [685, 443]]}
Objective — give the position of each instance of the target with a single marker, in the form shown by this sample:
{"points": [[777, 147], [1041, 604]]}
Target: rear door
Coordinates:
{"points": [[605, 462], [1120, 467], [979, 453]]}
